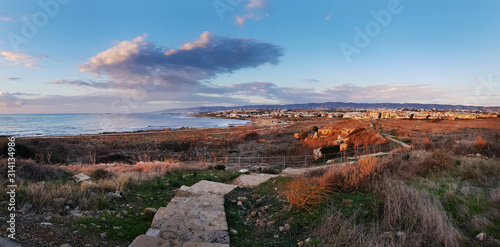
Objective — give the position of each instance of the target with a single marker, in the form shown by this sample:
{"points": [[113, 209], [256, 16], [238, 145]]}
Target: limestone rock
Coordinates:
{"points": [[150, 210], [481, 236], [144, 240], [80, 177]]}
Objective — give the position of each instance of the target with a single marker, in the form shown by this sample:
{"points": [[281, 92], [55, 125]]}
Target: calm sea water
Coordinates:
{"points": [[75, 124]]}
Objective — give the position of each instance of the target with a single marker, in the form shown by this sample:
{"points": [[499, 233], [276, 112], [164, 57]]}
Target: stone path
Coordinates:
{"points": [[252, 180], [194, 218]]}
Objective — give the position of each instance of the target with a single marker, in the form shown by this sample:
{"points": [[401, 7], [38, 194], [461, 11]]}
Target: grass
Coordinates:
{"points": [[270, 206]]}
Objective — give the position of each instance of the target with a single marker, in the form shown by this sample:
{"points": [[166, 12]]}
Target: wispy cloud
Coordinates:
{"points": [[21, 59], [255, 4], [328, 17], [310, 80], [6, 18], [11, 78], [241, 20]]}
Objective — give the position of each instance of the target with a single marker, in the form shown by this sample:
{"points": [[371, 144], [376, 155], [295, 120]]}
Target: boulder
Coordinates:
{"points": [[150, 210], [244, 171], [317, 153], [80, 177], [5, 242], [114, 195]]}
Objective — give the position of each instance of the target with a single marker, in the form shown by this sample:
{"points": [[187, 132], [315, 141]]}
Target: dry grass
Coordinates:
{"points": [[419, 214], [304, 192], [353, 177]]}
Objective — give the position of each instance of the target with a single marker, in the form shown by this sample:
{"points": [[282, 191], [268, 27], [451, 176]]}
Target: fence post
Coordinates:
{"points": [[239, 160], [305, 160], [284, 161]]}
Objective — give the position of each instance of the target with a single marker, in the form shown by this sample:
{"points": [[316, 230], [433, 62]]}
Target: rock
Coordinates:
{"points": [[253, 213], [270, 223], [276, 236], [46, 224], [76, 213], [287, 227], [65, 245], [239, 203], [70, 203], [153, 232], [244, 171], [103, 235], [315, 137], [242, 198], [144, 240], [80, 177], [317, 153], [300, 243], [26, 208], [75, 232], [114, 195], [481, 236], [296, 135], [282, 228], [234, 232], [308, 240], [400, 234], [150, 210], [478, 155], [5, 242]]}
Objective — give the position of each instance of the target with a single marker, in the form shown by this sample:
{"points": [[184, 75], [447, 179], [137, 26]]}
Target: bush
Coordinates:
{"points": [[220, 167], [32, 171], [315, 128], [303, 135], [303, 192], [253, 136], [353, 177], [101, 174], [439, 160]]}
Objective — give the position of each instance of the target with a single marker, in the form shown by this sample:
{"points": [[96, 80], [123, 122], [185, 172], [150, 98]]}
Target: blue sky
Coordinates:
{"points": [[68, 56]]}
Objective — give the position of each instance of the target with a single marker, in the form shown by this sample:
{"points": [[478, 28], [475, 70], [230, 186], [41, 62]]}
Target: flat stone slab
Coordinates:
{"points": [[194, 217], [149, 241], [252, 180], [80, 177], [209, 187]]}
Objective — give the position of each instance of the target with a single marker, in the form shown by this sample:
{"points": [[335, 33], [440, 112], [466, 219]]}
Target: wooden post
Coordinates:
{"points": [[239, 160], [284, 161]]}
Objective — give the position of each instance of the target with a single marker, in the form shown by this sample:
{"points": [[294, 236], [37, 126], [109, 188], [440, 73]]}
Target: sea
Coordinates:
{"points": [[78, 124]]}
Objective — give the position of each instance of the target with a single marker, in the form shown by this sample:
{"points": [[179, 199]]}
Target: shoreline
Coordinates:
{"points": [[142, 132]]}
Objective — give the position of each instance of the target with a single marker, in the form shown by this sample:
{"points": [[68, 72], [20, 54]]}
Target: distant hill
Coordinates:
{"points": [[332, 106]]}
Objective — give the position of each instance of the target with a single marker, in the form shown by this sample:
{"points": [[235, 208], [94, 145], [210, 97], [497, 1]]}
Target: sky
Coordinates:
{"points": [[115, 56]]}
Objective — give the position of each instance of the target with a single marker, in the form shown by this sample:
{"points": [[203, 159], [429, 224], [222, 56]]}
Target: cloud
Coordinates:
{"points": [[142, 63], [328, 17], [8, 100], [310, 80], [241, 20], [6, 18], [21, 59], [11, 78], [255, 4]]}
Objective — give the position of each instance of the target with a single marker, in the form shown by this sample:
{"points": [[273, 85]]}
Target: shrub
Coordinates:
{"points": [[439, 160], [30, 170], [220, 167], [315, 128], [303, 135], [353, 177], [101, 174], [303, 192], [253, 136]]}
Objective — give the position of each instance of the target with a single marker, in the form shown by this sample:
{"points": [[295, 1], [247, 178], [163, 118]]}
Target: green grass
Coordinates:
{"points": [[154, 193], [273, 207]]}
